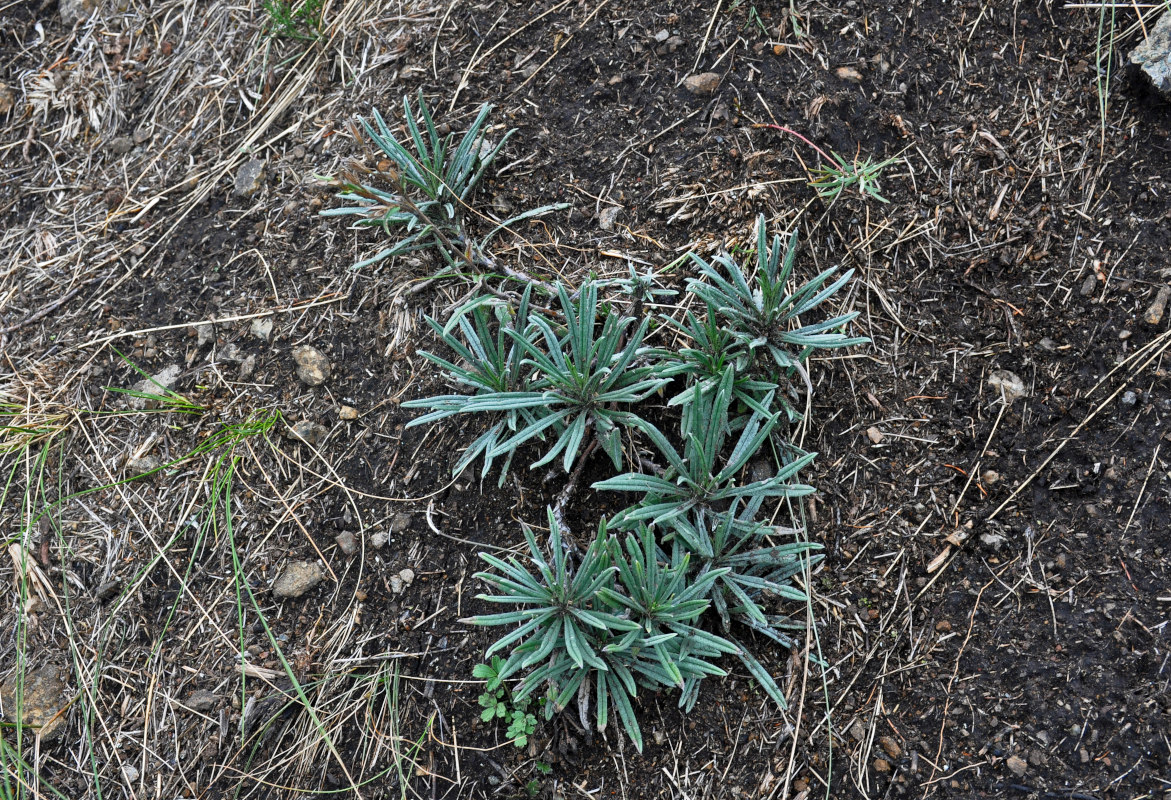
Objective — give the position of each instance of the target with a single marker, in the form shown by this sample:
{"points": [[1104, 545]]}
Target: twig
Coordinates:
{"points": [[571, 486]]}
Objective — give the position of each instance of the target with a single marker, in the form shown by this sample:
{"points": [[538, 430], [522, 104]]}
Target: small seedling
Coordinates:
{"points": [[302, 22], [498, 703]]}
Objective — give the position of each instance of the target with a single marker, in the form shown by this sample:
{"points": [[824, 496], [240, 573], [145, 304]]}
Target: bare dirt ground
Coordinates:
{"points": [[993, 609]]}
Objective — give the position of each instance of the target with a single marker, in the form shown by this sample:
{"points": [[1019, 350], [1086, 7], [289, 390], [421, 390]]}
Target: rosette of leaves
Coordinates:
{"points": [[699, 484], [746, 569], [580, 375], [431, 181], [667, 599], [491, 364], [763, 315], [713, 352], [567, 632]]}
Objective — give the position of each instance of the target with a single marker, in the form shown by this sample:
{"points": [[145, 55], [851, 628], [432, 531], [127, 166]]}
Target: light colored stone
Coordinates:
{"points": [[250, 178], [1017, 765], [347, 542], [874, 435], [121, 145], [990, 477], [607, 217], [261, 328], [156, 385], [1009, 384], [129, 772], [400, 522], [1154, 314], [313, 367], [704, 83], [43, 699], [308, 431], [7, 98], [402, 580], [378, 540], [297, 578], [347, 413], [73, 10], [247, 367], [1152, 57]]}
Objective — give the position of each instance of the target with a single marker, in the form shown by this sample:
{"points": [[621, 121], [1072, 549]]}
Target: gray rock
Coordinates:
{"points": [[308, 431], [137, 466], [155, 386], [261, 328], [201, 700], [1153, 55], [204, 335], [402, 580], [298, 577], [378, 540], [607, 216], [247, 367], [704, 83], [400, 522], [347, 542], [1008, 383], [73, 10], [1128, 398], [121, 145], [43, 698], [312, 366], [141, 136], [129, 772], [250, 178], [993, 540]]}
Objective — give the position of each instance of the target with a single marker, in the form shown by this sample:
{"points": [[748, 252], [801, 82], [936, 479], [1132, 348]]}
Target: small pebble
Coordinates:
{"points": [[313, 367], [881, 765], [121, 145], [250, 178], [1017, 765], [201, 700], [347, 542], [892, 747], [943, 626], [261, 328], [297, 578], [1008, 383], [875, 435], [378, 540], [990, 477], [704, 83], [1154, 314], [347, 413], [1129, 398], [308, 431], [400, 522]]}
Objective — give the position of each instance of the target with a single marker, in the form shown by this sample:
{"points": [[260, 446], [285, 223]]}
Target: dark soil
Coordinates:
{"points": [[993, 605]]}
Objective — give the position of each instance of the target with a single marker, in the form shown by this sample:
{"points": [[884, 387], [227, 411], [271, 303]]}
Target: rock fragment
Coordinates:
{"points": [[1152, 57], [7, 98], [347, 413], [73, 10], [43, 698], [297, 578], [874, 435], [1017, 765], [607, 217], [704, 83], [1009, 384], [309, 432], [261, 328], [121, 145], [402, 580], [347, 542], [892, 747], [201, 700], [312, 366], [1154, 314], [400, 522], [156, 386], [250, 178]]}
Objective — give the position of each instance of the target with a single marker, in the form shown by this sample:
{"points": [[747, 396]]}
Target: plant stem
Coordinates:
{"points": [[571, 486], [792, 132]]}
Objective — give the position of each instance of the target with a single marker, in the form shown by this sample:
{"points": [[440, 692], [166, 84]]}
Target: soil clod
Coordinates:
{"points": [[297, 578], [313, 367]]}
